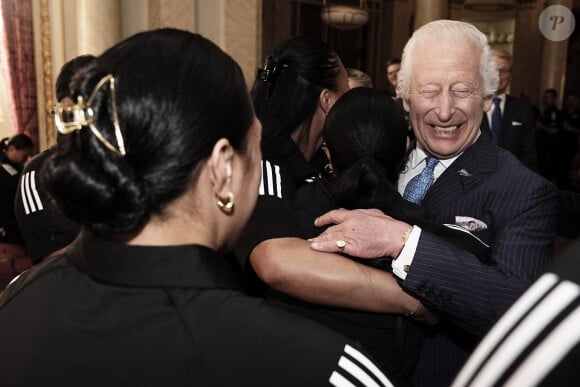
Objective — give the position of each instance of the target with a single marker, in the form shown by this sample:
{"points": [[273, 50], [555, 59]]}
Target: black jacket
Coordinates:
{"points": [[108, 314]]}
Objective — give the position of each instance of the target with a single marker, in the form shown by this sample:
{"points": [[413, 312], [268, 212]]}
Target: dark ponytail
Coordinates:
{"points": [[366, 134], [286, 90]]}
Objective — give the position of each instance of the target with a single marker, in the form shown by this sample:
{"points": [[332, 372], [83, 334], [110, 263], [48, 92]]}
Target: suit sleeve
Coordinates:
{"points": [[475, 294]]}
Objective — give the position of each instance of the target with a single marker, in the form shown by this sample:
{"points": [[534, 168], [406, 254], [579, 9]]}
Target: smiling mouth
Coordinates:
{"points": [[448, 129]]}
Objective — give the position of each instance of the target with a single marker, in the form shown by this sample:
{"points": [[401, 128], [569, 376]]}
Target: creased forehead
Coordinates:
{"points": [[446, 60]]}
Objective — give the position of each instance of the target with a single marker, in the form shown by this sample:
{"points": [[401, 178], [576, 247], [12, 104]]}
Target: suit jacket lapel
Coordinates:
{"points": [[466, 173]]}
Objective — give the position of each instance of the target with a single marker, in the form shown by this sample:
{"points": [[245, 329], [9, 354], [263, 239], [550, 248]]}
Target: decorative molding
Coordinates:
{"points": [[47, 70]]}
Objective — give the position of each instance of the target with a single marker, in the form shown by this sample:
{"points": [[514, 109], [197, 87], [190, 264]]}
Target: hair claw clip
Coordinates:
{"points": [[71, 118], [270, 70]]}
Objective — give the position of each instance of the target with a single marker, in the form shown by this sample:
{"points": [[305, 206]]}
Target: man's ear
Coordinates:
{"points": [[406, 105], [487, 101], [220, 167]]}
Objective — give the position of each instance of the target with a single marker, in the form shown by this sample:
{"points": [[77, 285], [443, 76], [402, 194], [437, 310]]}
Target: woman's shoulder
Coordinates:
{"points": [[312, 200], [270, 335]]}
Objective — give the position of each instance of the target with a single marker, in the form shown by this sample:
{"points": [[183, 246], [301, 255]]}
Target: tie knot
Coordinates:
{"points": [[418, 186], [431, 162], [497, 101]]}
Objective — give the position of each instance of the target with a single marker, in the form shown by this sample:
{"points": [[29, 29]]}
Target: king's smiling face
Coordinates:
{"points": [[446, 99]]}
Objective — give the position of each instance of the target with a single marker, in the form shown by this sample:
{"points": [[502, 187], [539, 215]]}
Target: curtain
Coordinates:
{"points": [[17, 65]]}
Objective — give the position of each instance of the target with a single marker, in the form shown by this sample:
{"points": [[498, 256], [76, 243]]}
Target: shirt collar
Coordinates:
{"points": [[290, 155], [151, 266], [417, 156]]}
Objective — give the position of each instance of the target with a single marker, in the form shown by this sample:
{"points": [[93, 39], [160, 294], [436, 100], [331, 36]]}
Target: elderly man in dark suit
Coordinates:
{"points": [[510, 121], [460, 177]]}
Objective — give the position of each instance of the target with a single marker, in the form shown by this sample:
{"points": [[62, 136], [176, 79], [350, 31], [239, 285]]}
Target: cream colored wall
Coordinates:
{"points": [[78, 27], [6, 124]]}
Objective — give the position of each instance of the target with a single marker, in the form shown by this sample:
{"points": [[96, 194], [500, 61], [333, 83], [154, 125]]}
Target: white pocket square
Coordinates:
{"points": [[516, 123], [470, 223]]}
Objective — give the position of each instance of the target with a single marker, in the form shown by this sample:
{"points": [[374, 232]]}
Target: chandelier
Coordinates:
{"points": [[345, 17]]}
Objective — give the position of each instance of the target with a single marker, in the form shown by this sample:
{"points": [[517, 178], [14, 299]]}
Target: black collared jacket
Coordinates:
{"points": [[108, 314]]}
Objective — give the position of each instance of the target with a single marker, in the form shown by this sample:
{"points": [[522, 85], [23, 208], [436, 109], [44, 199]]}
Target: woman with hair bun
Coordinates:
{"points": [[160, 165], [300, 81]]}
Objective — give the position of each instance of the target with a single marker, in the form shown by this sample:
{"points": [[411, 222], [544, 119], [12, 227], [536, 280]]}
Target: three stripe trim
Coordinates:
{"points": [[530, 339], [29, 194], [271, 183], [354, 366]]}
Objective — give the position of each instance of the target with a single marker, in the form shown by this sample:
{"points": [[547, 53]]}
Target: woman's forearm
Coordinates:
{"points": [[290, 266]]}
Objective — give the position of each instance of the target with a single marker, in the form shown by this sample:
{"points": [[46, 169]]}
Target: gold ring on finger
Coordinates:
{"points": [[341, 245]]}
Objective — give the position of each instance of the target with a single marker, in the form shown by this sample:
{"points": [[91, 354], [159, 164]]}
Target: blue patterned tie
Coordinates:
{"points": [[418, 186], [496, 119]]}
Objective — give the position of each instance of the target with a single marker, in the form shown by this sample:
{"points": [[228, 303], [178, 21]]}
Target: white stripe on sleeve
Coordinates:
{"points": [[271, 183], [527, 330], [356, 354], [23, 193], [548, 354], [354, 370], [35, 191], [504, 325], [338, 380], [278, 181]]}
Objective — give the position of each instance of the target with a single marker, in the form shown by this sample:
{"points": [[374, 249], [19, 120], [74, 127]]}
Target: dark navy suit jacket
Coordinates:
{"points": [[518, 208], [518, 131]]}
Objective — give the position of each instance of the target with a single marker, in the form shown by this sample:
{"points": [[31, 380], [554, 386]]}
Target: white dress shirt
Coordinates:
{"points": [[414, 166]]}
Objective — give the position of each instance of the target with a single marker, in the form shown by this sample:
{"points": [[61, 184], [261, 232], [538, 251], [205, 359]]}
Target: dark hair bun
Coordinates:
{"points": [[175, 94]]}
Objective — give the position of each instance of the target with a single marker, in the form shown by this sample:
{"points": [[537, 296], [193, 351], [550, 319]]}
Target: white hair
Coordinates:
{"points": [[459, 32]]}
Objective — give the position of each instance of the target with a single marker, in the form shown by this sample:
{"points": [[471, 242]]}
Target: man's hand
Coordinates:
{"points": [[360, 233]]}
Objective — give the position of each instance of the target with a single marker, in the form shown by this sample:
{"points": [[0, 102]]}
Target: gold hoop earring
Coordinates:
{"points": [[328, 169], [228, 206]]}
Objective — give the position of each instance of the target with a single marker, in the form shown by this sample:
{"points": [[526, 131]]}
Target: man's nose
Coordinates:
{"points": [[445, 106]]}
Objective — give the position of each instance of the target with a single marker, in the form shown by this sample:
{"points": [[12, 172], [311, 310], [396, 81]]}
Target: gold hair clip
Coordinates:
{"points": [[74, 117]]}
